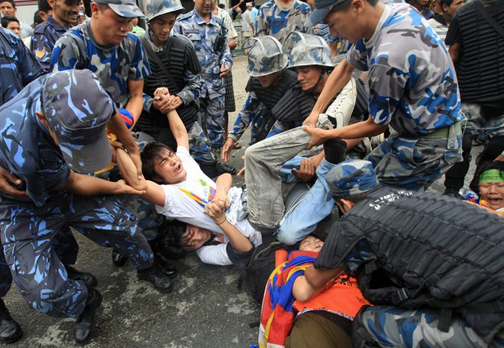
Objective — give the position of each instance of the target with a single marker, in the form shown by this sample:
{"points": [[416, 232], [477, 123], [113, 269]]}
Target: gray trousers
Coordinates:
{"points": [[263, 162]]}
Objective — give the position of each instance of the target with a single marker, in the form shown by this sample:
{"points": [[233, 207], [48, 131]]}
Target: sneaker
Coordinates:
{"points": [[453, 193], [85, 323], [10, 331], [341, 109]]}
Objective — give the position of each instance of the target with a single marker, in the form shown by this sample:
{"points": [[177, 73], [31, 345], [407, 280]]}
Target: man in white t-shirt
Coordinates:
{"points": [[182, 191]]}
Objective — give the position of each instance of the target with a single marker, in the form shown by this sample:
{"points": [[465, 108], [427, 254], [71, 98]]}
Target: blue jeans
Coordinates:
{"points": [[315, 206]]}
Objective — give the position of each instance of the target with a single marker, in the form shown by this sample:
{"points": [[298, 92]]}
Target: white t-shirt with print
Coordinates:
{"points": [[186, 201]]}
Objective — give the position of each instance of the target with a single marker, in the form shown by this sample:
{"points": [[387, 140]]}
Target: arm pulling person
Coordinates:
{"points": [[336, 81], [161, 96], [312, 282], [354, 131], [86, 185], [135, 102]]}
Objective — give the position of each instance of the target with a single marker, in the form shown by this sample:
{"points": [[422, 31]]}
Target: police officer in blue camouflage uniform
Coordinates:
{"points": [[174, 65], [20, 67], [279, 18], [413, 89], [47, 33], [268, 83], [208, 34], [429, 273], [53, 129], [105, 46]]}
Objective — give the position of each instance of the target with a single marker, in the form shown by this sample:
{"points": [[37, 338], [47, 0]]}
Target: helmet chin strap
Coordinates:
{"points": [[321, 76], [151, 32]]}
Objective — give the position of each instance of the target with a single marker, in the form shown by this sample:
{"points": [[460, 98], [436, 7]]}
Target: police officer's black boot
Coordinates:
{"points": [[88, 279], [85, 323], [10, 331], [118, 259], [161, 262], [161, 282]]}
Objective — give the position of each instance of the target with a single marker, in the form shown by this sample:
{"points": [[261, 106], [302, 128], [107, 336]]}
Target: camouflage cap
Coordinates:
{"points": [[306, 50], [265, 56], [351, 178], [322, 9], [78, 110], [155, 8], [124, 8]]}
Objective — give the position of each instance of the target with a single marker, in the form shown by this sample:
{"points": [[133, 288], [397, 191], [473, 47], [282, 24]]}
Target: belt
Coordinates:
{"points": [[443, 133]]}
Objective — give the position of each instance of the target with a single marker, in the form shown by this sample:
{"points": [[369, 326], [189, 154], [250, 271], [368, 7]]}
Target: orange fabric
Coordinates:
{"points": [[344, 298], [280, 257]]}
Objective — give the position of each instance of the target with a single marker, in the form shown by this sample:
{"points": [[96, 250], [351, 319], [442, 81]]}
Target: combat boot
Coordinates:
{"points": [[161, 282], [88, 279], [85, 323], [10, 331]]}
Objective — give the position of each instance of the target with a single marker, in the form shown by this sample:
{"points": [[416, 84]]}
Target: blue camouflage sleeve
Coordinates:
{"points": [[29, 67], [65, 55], [357, 56], [387, 85], [140, 67], [245, 117]]}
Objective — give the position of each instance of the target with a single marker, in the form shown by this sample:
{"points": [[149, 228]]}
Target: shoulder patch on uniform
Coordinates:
{"points": [[40, 53], [185, 16]]}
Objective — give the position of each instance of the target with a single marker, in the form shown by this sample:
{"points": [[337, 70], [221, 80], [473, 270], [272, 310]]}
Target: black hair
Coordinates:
{"points": [[149, 155], [445, 2], [11, 2], [36, 18], [170, 243], [43, 5], [499, 165], [7, 19], [222, 6]]}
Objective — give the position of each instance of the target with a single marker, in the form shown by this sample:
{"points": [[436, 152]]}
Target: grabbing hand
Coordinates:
{"points": [[6, 179], [318, 136], [311, 120], [123, 188], [226, 149], [306, 171], [224, 71], [217, 208]]}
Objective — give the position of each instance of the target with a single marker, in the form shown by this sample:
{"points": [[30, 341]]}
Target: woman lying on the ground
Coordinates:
{"points": [[323, 321]]}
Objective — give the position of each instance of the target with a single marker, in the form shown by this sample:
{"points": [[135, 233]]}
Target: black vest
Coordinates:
{"points": [[175, 59], [480, 69], [271, 95], [431, 251]]}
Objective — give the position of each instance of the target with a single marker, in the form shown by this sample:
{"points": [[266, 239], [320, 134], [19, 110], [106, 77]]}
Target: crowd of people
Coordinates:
{"points": [[355, 107]]}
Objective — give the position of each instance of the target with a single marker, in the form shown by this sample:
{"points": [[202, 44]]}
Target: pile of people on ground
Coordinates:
{"points": [[120, 134]]}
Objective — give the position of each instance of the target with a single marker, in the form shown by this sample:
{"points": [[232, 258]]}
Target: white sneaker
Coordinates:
{"points": [[341, 109]]}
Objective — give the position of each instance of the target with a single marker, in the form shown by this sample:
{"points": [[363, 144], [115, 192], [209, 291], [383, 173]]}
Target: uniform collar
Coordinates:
{"points": [[55, 24], [200, 20]]}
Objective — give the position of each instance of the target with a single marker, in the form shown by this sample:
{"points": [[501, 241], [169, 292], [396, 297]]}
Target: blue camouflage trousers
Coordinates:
{"points": [[27, 232], [384, 326], [64, 244], [413, 163], [213, 119]]}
